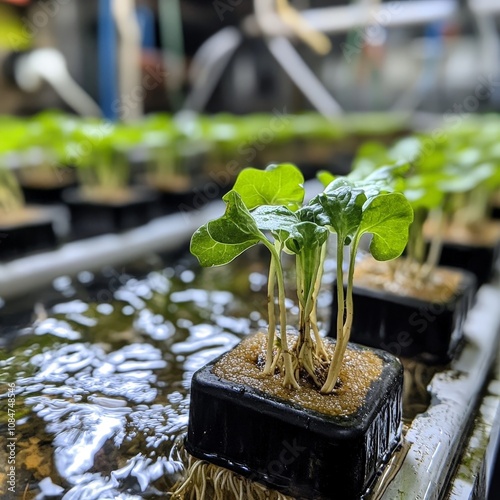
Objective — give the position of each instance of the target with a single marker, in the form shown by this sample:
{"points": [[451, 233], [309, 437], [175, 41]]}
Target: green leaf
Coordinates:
{"points": [[387, 217], [424, 191], [427, 198], [236, 225], [368, 157], [343, 204], [306, 236], [220, 241], [305, 241], [281, 184], [387, 173], [325, 177], [212, 253], [432, 161], [275, 218], [408, 149], [313, 212], [462, 180]]}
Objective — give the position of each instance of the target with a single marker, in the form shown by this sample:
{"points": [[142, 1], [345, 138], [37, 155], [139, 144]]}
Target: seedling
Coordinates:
{"points": [[441, 185], [267, 207], [99, 151], [161, 138]]}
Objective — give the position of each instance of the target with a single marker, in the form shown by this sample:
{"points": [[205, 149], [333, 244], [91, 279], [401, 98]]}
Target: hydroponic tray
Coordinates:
{"points": [[449, 449]]}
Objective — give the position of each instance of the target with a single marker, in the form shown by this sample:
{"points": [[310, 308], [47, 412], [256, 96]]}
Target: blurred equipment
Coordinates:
{"points": [[31, 69], [278, 23]]}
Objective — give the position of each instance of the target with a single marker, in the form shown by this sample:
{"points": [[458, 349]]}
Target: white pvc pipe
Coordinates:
{"points": [[342, 19], [49, 64], [166, 233], [298, 71]]}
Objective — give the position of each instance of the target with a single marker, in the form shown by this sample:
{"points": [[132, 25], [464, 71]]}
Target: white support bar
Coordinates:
{"points": [[298, 71], [166, 233], [345, 18]]}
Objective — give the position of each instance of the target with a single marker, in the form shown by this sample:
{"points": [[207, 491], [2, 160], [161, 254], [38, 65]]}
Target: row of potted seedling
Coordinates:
{"points": [[57, 139], [334, 408], [43, 158], [129, 173], [416, 305]]}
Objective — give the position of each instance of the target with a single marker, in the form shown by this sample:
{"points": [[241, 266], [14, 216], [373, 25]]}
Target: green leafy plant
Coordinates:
{"points": [[161, 139], [267, 207], [448, 185], [99, 151], [355, 208], [42, 163], [426, 184]]}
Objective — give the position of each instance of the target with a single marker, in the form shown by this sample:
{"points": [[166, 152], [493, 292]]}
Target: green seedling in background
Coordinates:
{"points": [[100, 150]]}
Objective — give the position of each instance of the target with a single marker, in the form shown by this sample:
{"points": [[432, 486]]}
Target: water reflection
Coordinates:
{"points": [[103, 386]]}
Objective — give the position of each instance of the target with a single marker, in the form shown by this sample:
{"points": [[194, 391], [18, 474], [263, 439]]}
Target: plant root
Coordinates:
{"points": [[205, 480]]}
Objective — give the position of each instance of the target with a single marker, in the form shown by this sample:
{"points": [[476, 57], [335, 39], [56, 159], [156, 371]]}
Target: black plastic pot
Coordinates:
{"points": [[27, 237], [175, 201], [297, 451], [495, 212], [195, 195], [91, 218], [43, 195], [407, 326], [46, 193], [479, 260], [193, 198]]}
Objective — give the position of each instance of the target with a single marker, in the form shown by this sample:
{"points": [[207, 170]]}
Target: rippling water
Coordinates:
{"points": [[103, 374]]}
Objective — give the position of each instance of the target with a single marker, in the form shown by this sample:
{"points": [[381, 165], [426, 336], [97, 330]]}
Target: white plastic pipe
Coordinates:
{"points": [[166, 233], [49, 65], [342, 19]]}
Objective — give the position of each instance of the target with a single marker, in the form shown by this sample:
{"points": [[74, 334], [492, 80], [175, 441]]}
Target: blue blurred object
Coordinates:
{"points": [[107, 54], [146, 20]]}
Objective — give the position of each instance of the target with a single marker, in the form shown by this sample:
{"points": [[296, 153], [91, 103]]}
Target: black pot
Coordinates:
{"points": [[479, 260], [407, 326], [188, 200], [41, 195], [37, 191], [28, 237], [297, 451], [92, 218], [495, 212], [202, 190]]}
